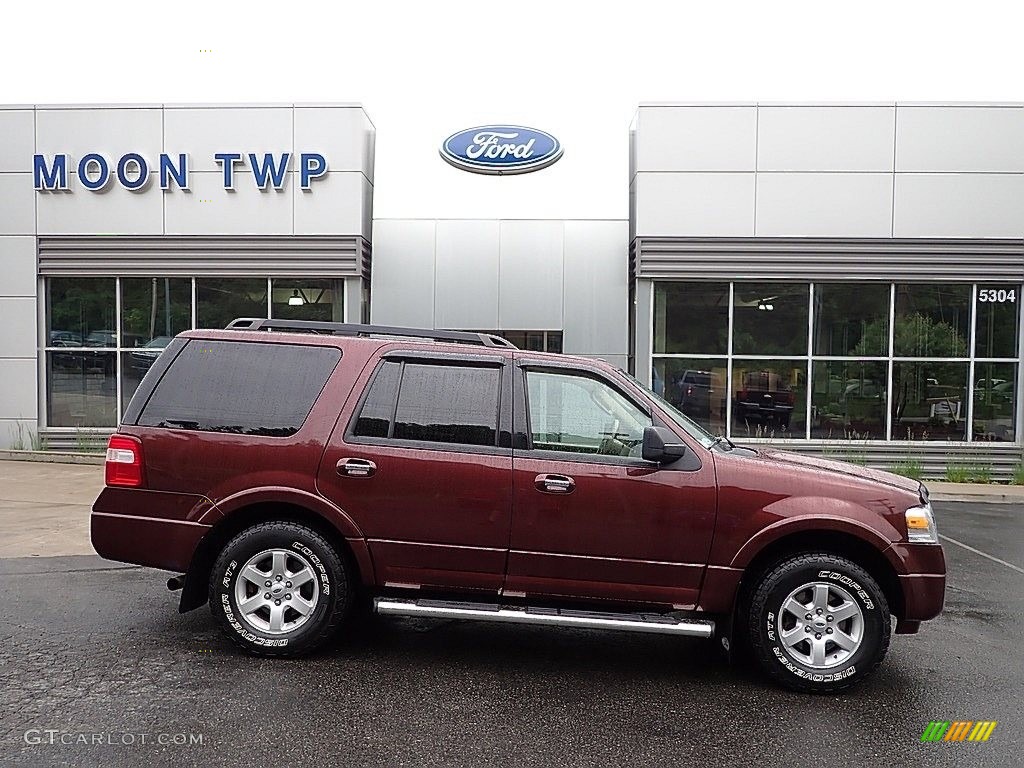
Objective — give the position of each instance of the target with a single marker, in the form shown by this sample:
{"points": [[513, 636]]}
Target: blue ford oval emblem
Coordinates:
{"points": [[501, 149]]}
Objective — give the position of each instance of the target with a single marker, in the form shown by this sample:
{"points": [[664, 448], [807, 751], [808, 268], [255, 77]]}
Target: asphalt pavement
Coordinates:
{"points": [[98, 668]]}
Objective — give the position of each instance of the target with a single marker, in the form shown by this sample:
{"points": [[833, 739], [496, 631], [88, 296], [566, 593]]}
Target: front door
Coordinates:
{"points": [[591, 518], [424, 467]]}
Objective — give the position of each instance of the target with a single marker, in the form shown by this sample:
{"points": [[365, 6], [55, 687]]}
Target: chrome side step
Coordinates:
{"points": [[629, 622]]}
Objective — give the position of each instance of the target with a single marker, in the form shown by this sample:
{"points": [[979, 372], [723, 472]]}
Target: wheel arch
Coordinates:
{"points": [[843, 543], [245, 515]]}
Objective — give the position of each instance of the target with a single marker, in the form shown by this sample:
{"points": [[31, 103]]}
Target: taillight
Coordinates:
{"points": [[124, 461]]}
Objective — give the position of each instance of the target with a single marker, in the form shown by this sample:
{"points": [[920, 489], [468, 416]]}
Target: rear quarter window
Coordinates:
{"points": [[241, 388]]}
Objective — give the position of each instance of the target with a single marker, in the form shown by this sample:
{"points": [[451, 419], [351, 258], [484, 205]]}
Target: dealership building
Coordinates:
{"points": [[839, 279]]}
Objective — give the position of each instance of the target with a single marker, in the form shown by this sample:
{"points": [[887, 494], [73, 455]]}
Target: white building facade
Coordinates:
{"points": [[841, 279]]}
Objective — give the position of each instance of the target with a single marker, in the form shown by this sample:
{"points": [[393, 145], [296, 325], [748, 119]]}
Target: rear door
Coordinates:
{"points": [[423, 464]]}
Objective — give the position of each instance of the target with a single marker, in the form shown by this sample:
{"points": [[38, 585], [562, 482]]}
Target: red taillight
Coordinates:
{"points": [[124, 461]]}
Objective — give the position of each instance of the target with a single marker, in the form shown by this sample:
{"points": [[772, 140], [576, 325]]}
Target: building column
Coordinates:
{"points": [[19, 405]]}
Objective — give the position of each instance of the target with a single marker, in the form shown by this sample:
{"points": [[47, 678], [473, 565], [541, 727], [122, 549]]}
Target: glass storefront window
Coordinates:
{"points": [[995, 401], [307, 299], [219, 300], [770, 318], [154, 310], [929, 401], [81, 312], [81, 389], [998, 324], [697, 387], [848, 400], [851, 320], [534, 341], [932, 321], [691, 318], [769, 398]]}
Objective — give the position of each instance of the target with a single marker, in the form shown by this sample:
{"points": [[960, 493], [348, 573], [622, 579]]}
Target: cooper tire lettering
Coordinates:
{"points": [[764, 620], [329, 570]]}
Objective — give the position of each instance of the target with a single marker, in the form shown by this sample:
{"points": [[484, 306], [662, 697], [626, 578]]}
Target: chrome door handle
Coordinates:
{"points": [[356, 467], [554, 483]]}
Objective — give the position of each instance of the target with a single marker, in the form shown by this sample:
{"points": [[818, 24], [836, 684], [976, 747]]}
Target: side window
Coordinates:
{"points": [[240, 387], [437, 403], [379, 406], [578, 414]]}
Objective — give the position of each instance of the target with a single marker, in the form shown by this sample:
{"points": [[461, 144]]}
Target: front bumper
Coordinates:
{"points": [[922, 582]]}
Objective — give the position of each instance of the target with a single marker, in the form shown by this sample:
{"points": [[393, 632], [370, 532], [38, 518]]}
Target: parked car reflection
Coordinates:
{"points": [[142, 358]]}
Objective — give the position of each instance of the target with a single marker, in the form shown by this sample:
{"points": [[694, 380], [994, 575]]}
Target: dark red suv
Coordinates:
{"points": [[294, 470]]}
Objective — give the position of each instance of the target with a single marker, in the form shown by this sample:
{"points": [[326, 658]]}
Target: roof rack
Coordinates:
{"points": [[356, 329]]}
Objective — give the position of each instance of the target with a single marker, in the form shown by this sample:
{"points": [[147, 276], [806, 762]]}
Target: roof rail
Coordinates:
{"points": [[356, 329]]}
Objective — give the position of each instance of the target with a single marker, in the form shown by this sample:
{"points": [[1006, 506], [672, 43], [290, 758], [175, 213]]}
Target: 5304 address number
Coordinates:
{"points": [[997, 296]]}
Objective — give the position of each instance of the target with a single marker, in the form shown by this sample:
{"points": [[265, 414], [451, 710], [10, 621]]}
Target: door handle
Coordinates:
{"points": [[356, 467], [554, 483]]}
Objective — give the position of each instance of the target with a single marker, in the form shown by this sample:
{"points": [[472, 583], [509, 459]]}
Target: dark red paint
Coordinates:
{"points": [[448, 521]]}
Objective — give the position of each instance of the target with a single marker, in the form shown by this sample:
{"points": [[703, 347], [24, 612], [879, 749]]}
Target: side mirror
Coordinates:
{"points": [[662, 446]]}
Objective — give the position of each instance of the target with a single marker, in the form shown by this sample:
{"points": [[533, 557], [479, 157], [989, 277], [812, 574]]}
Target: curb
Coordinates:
{"points": [[978, 498], [53, 457]]}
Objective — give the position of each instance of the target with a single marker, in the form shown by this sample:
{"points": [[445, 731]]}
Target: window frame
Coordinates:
{"points": [[502, 446]]}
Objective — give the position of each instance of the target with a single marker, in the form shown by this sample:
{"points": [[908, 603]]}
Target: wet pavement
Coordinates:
{"points": [[98, 649]]}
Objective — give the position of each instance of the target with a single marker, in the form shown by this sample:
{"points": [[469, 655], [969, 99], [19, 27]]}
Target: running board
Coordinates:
{"points": [[629, 622]]}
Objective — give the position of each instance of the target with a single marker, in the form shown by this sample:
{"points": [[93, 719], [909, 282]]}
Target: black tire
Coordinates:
{"points": [[332, 581], [779, 661]]}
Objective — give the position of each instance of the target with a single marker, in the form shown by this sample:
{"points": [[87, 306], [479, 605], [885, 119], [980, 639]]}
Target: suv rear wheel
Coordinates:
{"points": [[279, 589], [818, 623]]}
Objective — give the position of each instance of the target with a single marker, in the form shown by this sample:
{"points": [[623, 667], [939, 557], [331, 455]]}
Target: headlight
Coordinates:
{"points": [[921, 525]]}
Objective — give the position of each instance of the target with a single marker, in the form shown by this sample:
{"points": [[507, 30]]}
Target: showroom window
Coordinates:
{"points": [[534, 341], [840, 361], [103, 334]]}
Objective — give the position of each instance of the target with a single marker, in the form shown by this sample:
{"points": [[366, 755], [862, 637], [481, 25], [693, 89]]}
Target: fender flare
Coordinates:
{"points": [[803, 523], [315, 503], [224, 512]]}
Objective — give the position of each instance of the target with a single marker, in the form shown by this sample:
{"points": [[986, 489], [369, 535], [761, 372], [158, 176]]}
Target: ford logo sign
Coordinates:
{"points": [[501, 149]]}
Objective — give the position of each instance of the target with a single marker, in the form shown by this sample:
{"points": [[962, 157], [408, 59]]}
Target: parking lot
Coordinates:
{"points": [[92, 647]]}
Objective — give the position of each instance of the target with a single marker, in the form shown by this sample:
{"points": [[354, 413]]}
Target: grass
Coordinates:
{"points": [[909, 468], [85, 442], [25, 439], [1017, 478], [968, 473]]}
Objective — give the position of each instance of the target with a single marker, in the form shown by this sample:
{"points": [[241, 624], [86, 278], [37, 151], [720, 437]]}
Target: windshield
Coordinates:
{"points": [[692, 428]]}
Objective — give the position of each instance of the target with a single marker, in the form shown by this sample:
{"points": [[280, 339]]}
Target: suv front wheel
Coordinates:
{"points": [[279, 589], [818, 623]]}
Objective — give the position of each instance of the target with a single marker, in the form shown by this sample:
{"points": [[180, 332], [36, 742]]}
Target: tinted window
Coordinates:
{"points": [[770, 318], [379, 406], [691, 318], [240, 387], [448, 404], [932, 321], [578, 414], [851, 319], [998, 321]]}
